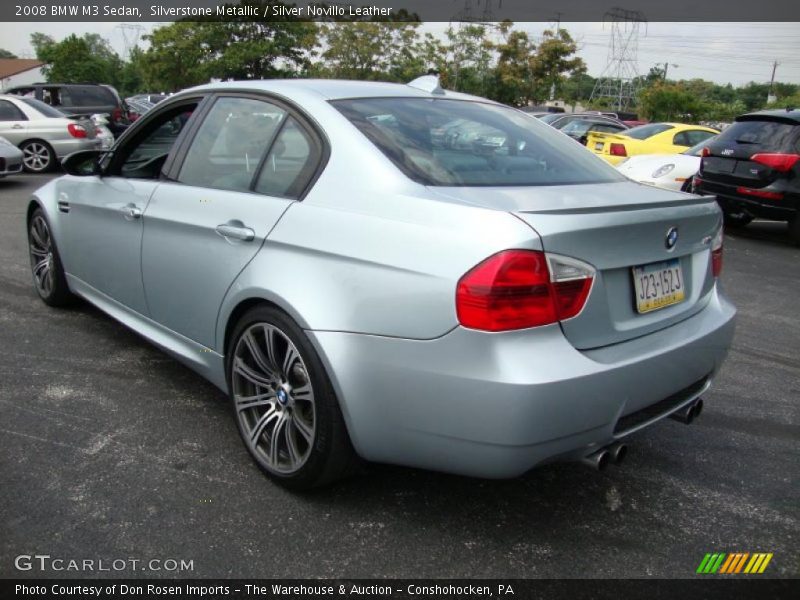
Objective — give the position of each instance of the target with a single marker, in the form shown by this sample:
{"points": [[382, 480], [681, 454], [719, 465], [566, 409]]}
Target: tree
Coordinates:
{"points": [[670, 102], [555, 57], [77, 59], [6, 54]]}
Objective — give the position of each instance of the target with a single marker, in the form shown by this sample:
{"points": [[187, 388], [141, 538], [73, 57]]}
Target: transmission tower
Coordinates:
{"points": [[130, 36], [619, 80]]}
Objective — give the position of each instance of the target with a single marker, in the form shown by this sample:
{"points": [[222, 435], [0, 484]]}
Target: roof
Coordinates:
{"points": [[14, 66], [333, 89], [780, 114]]}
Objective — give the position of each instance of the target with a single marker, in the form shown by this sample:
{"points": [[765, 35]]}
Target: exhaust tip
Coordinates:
{"points": [[598, 461], [618, 453], [697, 409]]}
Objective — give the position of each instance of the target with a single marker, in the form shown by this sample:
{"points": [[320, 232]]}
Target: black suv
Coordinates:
{"points": [[81, 99], [753, 168]]}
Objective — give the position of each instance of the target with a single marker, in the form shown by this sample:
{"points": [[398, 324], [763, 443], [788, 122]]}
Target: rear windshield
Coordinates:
{"points": [[767, 135], [462, 143], [87, 95], [47, 110], [642, 132]]}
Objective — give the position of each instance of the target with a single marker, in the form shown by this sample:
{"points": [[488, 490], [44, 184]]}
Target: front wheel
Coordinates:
{"points": [[46, 267], [37, 157], [283, 402]]}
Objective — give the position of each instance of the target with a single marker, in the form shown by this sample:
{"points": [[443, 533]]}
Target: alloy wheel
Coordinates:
{"points": [[41, 251], [36, 157], [273, 398]]}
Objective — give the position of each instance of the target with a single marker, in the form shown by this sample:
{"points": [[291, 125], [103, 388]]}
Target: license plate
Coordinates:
{"points": [[658, 285], [598, 146]]}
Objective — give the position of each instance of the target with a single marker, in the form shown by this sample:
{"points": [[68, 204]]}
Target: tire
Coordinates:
{"points": [[738, 220], [37, 156], [794, 230], [283, 402], [46, 267]]}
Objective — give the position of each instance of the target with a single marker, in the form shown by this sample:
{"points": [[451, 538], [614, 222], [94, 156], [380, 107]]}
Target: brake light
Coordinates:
{"points": [[776, 162], [116, 114], [76, 131], [716, 253], [759, 193], [617, 150], [516, 289], [705, 152]]}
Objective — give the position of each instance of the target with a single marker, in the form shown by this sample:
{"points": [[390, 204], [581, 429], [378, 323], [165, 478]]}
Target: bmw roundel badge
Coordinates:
{"points": [[672, 238]]}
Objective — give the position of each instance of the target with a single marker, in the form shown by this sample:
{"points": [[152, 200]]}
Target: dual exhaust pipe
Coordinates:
{"points": [[616, 452], [688, 413]]}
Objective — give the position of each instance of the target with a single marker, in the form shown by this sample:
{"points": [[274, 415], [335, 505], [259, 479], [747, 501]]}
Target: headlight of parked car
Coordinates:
{"points": [[663, 170]]}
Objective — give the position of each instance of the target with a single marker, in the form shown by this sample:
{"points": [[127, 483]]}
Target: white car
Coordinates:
{"points": [[10, 158], [668, 171]]}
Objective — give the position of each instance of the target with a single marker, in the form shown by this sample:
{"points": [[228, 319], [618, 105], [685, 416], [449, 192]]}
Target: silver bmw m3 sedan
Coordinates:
{"points": [[395, 273]]}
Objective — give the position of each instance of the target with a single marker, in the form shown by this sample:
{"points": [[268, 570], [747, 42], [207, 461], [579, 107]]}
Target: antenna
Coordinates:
{"points": [[619, 80]]}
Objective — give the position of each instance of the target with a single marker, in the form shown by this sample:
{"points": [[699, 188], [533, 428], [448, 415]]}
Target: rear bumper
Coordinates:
{"points": [[496, 405], [65, 147], [777, 210]]}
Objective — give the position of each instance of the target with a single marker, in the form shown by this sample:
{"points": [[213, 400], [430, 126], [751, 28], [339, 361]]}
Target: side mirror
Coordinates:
{"points": [[83, 162]]}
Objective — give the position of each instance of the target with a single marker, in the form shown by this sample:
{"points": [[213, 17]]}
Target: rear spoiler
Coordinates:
{"points": [[599, 136]]}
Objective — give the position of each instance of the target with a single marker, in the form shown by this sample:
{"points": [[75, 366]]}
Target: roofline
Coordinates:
{"points": [[7, 75]]}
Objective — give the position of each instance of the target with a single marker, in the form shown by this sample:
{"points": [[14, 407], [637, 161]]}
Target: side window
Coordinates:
{"points": [[231, 143], [290, 164], [143, 157], [696, 136], [681, 139], [9, 112]]}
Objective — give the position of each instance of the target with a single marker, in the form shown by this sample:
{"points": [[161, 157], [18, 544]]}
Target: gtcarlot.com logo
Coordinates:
{"points": [[45, 562], [734, 563]]}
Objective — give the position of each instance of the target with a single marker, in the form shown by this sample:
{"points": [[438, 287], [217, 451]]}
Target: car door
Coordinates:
{"points": [[13, 123], [102, 214], [231, 188]]}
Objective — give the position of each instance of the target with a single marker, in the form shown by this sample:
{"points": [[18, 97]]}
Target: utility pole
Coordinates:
{"points": [[770, 96]]}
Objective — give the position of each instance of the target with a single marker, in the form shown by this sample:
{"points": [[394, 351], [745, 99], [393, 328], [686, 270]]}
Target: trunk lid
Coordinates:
{"points": [[614, 227]]}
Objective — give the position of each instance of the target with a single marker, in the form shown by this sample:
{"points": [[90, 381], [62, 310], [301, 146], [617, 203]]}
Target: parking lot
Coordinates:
{"points": [[110, 449]]}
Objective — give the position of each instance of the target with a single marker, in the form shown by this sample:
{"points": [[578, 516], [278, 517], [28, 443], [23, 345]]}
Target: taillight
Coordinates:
{"points": [[617, 150], [705, 152], [716, 254], [116, 115], [516, 289], [76, 131], [759, 193], [777, 162]]}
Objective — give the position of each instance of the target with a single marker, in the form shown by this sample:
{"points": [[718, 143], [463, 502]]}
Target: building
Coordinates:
{"points": [[19, 71]]}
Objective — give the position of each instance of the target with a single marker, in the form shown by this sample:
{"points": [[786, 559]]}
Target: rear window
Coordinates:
{"points": [[642, 132], [45, 109], [767, 135], [446, 142]]}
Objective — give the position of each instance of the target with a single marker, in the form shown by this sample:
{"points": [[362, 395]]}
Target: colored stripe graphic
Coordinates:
{"points": [[733, 563]]}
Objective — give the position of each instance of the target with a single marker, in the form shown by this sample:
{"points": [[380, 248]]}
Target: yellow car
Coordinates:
{"points": [[653, 138]]}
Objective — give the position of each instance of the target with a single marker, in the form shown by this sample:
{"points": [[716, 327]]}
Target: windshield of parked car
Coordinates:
{"points": [[46, 110], [463, 143], [550, 117], [642, 132]]}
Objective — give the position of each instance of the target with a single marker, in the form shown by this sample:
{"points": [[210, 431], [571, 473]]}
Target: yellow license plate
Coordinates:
{"points": [[658, 285]]}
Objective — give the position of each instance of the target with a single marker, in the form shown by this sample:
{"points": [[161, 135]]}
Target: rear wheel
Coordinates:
{"points": [[37, 157], [46, 267], [794, 229], [283, 403]]}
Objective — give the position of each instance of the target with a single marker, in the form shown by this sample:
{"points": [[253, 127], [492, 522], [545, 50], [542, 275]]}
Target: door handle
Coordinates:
{"points": [[131, 211], [16, 126], [235, 232]]}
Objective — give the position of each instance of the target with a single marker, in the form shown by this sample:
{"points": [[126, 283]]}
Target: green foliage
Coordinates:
{"points": [[6, 54], [671, 102], [77, 59]]}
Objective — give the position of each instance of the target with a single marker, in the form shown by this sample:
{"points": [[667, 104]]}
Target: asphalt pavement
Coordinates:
{"points": [[109, 449]]}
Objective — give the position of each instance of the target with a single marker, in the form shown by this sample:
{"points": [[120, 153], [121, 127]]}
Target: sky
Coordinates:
{"points": [[733, 53]]}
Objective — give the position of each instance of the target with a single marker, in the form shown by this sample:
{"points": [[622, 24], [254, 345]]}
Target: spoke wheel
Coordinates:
{"points": [[48, 273], [37, 157], [286, 410], [273, 398], [42, 259]]}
